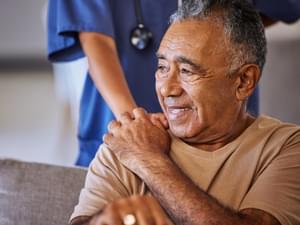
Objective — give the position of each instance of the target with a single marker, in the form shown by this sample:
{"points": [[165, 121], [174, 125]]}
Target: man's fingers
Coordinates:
{"points": [[143, 215], [110, 218], [163, 120], [159, 120], [138, 210], [157, 123], [144, 218]]}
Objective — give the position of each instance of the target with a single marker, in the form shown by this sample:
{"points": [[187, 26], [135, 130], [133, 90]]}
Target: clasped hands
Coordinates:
{"points": [[138, 139]]}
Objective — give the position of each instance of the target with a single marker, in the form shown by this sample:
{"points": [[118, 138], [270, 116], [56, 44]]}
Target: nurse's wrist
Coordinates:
{"points": [[122, 108]]}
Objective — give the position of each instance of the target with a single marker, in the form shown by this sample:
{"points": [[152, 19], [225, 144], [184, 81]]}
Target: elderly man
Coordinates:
{"points": [[216, 164]]}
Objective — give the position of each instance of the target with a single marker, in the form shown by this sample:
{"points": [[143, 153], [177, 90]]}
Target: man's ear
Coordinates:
{"points": [[248, 77]]}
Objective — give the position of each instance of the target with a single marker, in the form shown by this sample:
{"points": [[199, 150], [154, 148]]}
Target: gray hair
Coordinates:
{"points": [[242, 25]]}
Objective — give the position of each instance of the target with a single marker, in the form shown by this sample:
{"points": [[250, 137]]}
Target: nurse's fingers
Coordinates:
{"points": [[140, 113], [106, 138], [113, 125], [125, 118]]}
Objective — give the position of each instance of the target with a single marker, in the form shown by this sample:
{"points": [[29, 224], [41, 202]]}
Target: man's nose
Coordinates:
{"points": [[171, 86]]}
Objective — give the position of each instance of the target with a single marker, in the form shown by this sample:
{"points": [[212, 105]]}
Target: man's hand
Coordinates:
{"points": [[139, 139], [139, 210], [159, 120]]}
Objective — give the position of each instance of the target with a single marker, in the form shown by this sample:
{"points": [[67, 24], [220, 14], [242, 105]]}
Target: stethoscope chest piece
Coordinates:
{"points": [[140, 37]]}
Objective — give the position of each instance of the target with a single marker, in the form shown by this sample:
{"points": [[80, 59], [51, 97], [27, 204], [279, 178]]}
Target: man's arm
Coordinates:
{"points": [[142, 148], [187, 204]]}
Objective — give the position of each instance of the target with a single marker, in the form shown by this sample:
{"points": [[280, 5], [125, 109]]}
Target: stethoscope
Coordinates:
{"points": [[141, 36]]}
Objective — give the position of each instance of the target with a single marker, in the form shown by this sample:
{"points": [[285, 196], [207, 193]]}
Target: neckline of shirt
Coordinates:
{"points": [[179, 145]]}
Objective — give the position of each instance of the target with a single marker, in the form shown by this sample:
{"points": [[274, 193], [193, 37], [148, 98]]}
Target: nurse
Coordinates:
{"points": [[119, 39]]}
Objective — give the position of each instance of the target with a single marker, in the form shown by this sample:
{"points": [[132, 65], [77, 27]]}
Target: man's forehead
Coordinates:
{"points": [[191, 35], [195, 26]]}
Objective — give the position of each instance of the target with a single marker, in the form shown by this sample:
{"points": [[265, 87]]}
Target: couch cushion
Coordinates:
{"points": [[38, 194]]}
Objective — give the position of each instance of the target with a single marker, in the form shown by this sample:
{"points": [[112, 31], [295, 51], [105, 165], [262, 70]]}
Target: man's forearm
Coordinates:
{"points": [[186, 203]]}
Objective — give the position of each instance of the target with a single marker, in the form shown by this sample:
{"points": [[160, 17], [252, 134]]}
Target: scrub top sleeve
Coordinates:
{"points": [[66, 18]]}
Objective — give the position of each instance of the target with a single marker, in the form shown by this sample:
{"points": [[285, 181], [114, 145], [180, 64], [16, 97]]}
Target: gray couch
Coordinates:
{"points": [[38, 194]]}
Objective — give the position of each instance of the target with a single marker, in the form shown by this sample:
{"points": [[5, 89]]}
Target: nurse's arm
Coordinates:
{"points": [[106, 71]]}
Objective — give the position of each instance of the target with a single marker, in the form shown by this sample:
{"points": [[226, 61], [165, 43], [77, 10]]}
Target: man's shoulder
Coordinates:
{"points": [[106, 157], [272, 139], [106, 161], [274, 121], [266, 125]]}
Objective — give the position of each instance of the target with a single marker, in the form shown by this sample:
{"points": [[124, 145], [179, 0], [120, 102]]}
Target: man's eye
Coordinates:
{"points": [[162, 69], [186, 71]]}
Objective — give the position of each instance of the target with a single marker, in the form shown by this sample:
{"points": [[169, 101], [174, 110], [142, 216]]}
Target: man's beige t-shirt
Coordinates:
{"points": [[260, 169]]}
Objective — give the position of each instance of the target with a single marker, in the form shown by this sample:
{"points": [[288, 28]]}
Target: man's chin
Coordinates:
{"points": [[180, 132]]}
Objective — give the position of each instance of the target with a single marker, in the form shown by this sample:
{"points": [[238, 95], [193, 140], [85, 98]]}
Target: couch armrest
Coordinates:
{"points": [[35, 193]]}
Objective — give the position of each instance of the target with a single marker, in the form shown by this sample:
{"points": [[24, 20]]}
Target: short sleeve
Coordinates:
{"points": [[107, 180], [283, 10], [277, 189], [68, 17]]}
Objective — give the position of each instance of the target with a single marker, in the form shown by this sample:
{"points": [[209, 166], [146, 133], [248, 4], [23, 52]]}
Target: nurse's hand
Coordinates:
{"points": [[135, 210], [138, 140]]}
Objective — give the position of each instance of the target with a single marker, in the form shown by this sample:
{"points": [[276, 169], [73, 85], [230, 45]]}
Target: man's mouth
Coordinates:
{"points": [[176, 113]]}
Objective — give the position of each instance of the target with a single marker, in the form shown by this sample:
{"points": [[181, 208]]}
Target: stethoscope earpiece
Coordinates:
{"points": [[140, 37]]}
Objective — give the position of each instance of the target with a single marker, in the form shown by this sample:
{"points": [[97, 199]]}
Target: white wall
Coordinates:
{"points": [[280, 83], [21, 28]]}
